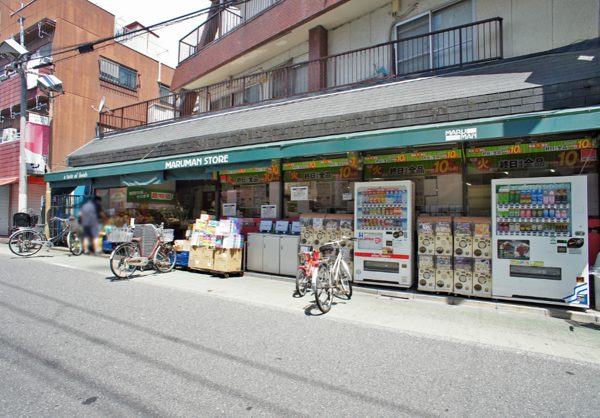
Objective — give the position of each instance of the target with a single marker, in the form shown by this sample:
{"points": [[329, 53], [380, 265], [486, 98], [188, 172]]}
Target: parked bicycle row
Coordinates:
{"points": [[322, 271]]}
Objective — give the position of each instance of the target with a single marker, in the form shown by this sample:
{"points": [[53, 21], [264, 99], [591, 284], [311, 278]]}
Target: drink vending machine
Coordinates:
{"points": [[540, 240], [383, 252]]}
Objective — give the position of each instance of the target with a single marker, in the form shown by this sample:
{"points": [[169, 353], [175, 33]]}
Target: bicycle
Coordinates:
{"points": [[29, 241], [309, 264], [333, 277], [127, 257]]}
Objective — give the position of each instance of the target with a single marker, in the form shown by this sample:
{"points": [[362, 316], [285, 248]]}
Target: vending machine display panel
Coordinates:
{"points": [[540, 240], [384, 232]]}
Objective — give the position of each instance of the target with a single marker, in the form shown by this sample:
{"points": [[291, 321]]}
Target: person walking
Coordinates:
{"points": [[90, 214]]}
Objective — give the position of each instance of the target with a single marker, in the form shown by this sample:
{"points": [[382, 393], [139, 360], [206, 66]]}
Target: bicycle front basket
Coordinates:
{"points": [[168, 235], [120, 235]]}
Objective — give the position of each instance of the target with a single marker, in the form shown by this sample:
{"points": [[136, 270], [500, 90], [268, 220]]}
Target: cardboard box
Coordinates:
{"points": [[228, 260], [201, 258], [181, 245]]}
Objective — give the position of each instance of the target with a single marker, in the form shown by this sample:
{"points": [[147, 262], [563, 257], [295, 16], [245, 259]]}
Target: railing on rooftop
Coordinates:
{"points": [[219, 23], [454, 47]]}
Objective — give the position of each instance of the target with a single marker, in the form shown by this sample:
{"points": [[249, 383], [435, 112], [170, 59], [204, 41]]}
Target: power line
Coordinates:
{"points": [[89, 46]]}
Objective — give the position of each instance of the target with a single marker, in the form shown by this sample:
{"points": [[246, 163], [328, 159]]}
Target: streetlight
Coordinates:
{"points": [[47, 83], [15, 51]]}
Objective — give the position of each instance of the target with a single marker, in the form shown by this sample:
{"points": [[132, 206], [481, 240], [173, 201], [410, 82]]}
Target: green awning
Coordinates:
{"points": [[530, 124]]}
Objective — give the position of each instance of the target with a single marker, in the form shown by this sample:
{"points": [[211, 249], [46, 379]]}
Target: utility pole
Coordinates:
{"points": [[23, 115]]}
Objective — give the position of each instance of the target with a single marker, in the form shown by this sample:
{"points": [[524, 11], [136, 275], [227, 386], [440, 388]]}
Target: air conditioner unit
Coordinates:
{"points": [[9, 134]]}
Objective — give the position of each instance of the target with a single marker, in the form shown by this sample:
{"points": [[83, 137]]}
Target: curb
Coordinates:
{"points": [[582, 316]]}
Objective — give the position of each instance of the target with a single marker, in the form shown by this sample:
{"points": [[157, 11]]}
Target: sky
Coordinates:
{"points": [[149, 12]]}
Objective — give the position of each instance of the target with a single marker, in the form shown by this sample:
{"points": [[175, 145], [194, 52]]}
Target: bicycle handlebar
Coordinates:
{"points": [[337, 243]]}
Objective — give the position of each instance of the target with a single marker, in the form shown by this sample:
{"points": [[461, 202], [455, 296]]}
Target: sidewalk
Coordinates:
{"points": [[499, 325], [588, 316]]}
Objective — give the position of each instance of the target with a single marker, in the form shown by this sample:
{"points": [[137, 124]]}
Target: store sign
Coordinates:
{"points": [[542, 155], [75, 176], [38, 119], [249, 176], [426, 163], [309, 165], [143, 195], [409, 157], [323, 174], [461, 134], [196, 161]]}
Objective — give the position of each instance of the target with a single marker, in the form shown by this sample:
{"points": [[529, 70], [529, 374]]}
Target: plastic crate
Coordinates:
{"points": [[183, 259], [107, 246]]}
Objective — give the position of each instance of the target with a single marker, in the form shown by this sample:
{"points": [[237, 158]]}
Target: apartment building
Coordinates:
{"points": [[112, 73], [277, 94]]}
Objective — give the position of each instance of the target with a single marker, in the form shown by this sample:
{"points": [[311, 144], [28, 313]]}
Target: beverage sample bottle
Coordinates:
{"points": [[551, 199]]}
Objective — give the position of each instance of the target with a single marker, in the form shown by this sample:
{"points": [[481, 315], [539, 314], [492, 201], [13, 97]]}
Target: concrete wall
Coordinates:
{"points": [[537, 25], [529, 26], [370, 29]]}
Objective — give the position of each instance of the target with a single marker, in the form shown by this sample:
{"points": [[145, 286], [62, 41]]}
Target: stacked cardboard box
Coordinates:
{"points": [[216, 245]]}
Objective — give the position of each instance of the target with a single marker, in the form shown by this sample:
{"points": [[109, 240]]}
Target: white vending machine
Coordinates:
{"points": [[383, 252], [540, 240]]}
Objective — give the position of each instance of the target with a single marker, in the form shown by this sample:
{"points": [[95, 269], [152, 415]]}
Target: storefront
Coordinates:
{"points": [[452, 166]]}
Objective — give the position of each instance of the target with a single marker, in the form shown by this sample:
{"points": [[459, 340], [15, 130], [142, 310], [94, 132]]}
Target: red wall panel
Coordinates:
{"points": [[9, 159]]}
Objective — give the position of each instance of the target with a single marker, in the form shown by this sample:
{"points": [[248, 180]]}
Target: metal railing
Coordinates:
{"points": [[454, 47], [219, 23]]}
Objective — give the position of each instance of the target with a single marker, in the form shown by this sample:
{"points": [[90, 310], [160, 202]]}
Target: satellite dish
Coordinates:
{"points": [[101, 105]]}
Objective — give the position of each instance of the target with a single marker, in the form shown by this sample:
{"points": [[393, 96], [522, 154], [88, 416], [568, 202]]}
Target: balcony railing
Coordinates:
{"points": [[220, 22], [454, 47]]}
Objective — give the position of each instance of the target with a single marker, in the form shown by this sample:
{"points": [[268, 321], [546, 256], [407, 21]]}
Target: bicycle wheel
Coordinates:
{"points": [[75, 243], [165, 258], [119, 260], [324, 288], [25, 243], [302, 282], [344, 286]]}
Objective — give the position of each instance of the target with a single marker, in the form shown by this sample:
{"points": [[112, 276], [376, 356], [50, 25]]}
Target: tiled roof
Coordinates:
{"points": [[507, 76]]}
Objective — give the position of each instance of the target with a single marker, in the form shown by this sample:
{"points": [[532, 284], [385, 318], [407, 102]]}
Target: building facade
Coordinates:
{"points": [[273, 95], [59, 125]]}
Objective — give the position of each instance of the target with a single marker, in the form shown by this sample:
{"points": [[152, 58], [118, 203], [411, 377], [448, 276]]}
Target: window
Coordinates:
{"points": [[439, 50], [165, 94], [118, 74]]}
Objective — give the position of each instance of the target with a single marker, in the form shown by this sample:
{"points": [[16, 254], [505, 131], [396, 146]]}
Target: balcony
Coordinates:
{"points": [[219, 23], [455, 47]]}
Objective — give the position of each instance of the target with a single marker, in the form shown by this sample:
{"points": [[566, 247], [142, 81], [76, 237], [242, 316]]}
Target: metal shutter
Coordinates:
{"points": [[4, 209]]}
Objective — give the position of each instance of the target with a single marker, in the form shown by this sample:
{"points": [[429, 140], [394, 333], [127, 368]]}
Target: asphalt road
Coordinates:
{"points": [[75, 343]]}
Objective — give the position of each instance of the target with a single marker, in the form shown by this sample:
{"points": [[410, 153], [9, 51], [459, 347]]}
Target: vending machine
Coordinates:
{"points": [[540, 240], [383, 252]]}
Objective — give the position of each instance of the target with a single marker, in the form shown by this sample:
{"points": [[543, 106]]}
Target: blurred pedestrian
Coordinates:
{"points": [[90, 214]]}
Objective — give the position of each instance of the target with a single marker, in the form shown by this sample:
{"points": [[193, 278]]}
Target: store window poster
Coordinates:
{"points": [[299, 193]]}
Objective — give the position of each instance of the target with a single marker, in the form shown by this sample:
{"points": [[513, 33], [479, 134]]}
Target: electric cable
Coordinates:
{"points": [[89, 46]]}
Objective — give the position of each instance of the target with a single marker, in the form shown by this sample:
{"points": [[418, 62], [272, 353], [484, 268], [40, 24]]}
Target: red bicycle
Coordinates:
{"points": [[309, 266]]}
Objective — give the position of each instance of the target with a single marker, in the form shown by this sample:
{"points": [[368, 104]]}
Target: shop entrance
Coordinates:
{"points": [[197, 197]]}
